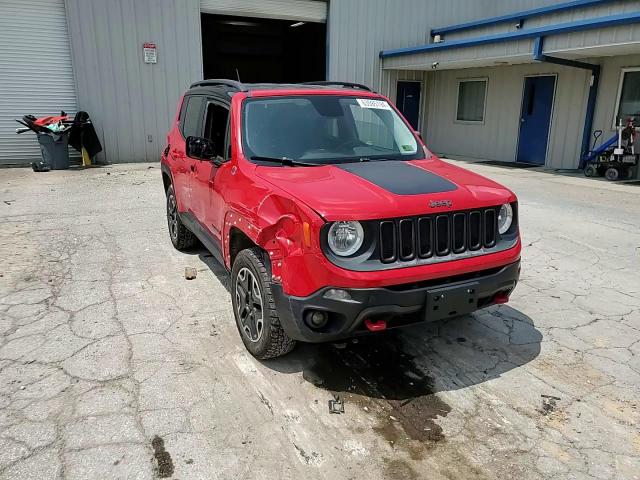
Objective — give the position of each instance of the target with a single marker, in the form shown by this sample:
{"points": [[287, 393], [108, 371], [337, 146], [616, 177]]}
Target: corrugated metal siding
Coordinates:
{"points": [[36, 73], [127, 98], [297, 10], [497, 138], [408, 23]]}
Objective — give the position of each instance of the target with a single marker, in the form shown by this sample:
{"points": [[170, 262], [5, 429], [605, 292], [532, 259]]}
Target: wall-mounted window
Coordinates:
{"points": [[628, 95], [472, 97]]}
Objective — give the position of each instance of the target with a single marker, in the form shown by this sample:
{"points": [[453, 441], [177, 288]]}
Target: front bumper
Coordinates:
{"points": [[399, 305]]}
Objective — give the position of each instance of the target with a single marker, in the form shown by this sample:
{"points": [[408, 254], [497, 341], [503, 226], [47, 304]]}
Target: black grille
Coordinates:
{"points": [[437, 235]]}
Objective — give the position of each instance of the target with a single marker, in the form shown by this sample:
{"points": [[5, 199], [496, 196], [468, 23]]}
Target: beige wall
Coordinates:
{"points": [[608, 92], [497, 137]]}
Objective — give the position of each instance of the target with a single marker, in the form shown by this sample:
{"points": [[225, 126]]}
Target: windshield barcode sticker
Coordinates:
{"points": [[369, 103]]}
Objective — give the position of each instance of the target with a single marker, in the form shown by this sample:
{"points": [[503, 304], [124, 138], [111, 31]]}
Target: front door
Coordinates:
{"points": [[206, 201], [535, 119], [408, 101]]}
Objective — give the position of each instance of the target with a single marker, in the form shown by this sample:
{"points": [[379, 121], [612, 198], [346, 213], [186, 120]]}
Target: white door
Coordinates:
{"points": [[36, 73]]}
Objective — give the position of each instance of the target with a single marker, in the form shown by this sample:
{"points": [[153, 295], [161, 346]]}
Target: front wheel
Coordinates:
{"points": [[254, 308]]}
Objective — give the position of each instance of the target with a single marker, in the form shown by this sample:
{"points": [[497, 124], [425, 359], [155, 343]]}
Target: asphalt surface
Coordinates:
{"points": [[112, 365]]}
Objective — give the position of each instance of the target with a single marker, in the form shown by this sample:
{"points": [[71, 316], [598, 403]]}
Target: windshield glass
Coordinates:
{"points": [[321, 129]]}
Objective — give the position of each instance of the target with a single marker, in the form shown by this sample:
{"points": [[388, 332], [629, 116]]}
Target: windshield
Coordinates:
{"points": [[322, 129]]}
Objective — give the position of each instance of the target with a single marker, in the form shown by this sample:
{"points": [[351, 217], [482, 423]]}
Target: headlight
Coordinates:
{"points": [[505, 218], [345, 238]]}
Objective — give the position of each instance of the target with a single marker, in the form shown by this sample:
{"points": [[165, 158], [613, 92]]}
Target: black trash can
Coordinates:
{"points": [[55, 150]]}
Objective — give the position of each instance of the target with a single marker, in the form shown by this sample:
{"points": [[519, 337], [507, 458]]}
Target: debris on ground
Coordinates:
{"points": [[549, 404], [190, 273], [336, 406]]}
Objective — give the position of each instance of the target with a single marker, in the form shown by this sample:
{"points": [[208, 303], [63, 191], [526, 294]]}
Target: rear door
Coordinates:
{"points": [[190, 124]]}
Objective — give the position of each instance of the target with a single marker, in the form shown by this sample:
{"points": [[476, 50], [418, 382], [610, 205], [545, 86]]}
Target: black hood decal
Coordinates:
{"points": [[399, 177]]}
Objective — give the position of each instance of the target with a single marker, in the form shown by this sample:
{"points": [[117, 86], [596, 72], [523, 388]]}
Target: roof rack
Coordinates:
{"points": [[212, 82], [340, 84]]}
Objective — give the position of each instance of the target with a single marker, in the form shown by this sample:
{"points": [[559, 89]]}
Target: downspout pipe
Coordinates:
{"points": [[538, 55]]}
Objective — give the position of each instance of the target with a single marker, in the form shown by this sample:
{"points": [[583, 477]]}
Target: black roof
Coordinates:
{"points": [[230, 87]]}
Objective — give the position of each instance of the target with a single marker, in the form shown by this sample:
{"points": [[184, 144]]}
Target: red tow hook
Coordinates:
{"points": [[374, 326], [500, 298]]}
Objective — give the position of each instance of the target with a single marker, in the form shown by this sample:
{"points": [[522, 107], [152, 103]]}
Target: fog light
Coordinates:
{"points": [[316, 318], [337, 294]]}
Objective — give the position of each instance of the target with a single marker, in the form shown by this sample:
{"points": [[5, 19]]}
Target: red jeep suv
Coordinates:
{"points": [[331, 214]]}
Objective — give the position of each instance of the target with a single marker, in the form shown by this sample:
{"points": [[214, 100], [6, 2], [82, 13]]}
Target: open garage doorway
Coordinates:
{"points": [[263, 50]]}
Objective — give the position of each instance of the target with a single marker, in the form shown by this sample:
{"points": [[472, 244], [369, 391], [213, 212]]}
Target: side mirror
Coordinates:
{"points": [[200, 148]]}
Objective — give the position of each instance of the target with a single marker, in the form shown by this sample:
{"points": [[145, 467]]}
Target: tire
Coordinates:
{"points": [[612, 174], [590, 171], [180, 235], [254, 308]]}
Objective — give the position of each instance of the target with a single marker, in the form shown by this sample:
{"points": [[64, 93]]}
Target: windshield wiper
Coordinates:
{"points": [[284, 161]]}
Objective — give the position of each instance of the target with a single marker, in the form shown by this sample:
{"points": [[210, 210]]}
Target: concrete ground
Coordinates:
{"points": [[112, 365]]}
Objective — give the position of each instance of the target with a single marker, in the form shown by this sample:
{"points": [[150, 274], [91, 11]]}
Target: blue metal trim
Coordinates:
{"points": [[539, 56], [519, 16], [608, 21], [590, 155]]}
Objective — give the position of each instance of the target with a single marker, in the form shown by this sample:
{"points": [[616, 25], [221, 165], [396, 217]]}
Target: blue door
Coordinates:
{"points": [[535, 119], [408, 101]]}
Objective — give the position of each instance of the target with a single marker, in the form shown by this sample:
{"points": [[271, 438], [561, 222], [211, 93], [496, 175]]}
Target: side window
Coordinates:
{"points": [[190, 121], [629, 95], [215, 127]]}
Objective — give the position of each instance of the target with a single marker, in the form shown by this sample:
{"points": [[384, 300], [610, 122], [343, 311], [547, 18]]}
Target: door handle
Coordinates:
{"points": [[193, 168]]}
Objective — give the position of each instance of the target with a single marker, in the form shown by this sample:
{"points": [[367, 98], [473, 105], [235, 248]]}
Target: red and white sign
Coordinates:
{"points": [[150, 53]]}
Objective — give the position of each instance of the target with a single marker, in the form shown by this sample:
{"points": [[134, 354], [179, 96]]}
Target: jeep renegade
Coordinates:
{"points": [[331, 214]]}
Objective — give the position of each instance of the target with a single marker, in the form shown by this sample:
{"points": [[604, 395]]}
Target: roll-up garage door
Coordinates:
{"points": [[298, 10], [36, 72]]}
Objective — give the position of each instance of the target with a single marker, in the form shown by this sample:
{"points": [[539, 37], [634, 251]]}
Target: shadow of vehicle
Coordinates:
{"points": [[421, 359], [395, 373]]}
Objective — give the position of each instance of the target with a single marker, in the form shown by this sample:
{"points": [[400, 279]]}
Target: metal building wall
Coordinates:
{"points": [[132, 103], [359, 29], [36, 74], [497, 137], [608, 92]]}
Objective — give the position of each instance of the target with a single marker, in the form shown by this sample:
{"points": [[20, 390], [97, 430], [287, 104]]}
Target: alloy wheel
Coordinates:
{"points": [[249, 304], [172, 216]]}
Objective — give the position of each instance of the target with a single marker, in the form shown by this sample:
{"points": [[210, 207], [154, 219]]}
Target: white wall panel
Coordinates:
{"points": [[296, 10], [36, 76]]}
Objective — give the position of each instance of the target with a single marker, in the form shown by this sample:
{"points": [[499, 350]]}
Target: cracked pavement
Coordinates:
{"points": [[112, 365]]}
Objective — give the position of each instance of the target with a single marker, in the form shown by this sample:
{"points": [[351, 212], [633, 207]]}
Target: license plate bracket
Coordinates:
{"points": [[451, 301]]}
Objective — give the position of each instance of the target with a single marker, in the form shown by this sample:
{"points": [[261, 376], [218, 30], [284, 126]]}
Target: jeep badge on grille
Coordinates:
{"points": [[440, 203]]}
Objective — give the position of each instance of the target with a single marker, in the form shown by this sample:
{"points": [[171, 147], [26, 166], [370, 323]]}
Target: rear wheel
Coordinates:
{"points": [[254, 308], [180, 235], [612, 173]]}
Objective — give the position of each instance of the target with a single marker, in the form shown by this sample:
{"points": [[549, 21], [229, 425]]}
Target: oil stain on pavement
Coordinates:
{"points": [[165, 463], [378, 375]]}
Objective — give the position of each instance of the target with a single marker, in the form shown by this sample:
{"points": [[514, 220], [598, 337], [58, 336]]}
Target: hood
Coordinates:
{"points": [[376, 190]]}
